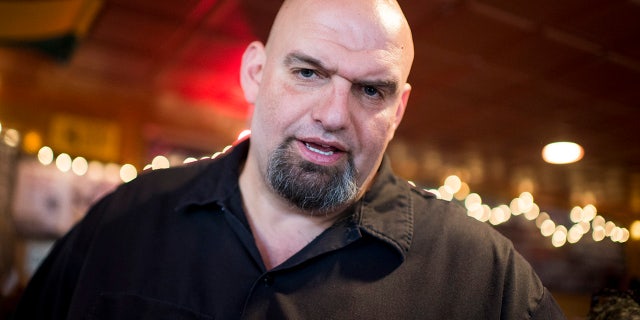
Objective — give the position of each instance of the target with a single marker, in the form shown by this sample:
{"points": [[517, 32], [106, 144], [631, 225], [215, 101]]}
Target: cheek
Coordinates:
{"points": [[376, 131], [374, 136]]}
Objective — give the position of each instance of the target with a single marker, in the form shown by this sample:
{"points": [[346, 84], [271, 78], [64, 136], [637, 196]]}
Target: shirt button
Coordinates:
{"points": [[268, 280]]}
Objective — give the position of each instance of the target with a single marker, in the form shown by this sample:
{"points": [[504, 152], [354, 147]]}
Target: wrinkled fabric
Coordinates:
{"points": [[175, 244]]}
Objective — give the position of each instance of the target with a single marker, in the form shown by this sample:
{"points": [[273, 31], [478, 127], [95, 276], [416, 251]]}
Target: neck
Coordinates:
{"points": [[279, 229]]}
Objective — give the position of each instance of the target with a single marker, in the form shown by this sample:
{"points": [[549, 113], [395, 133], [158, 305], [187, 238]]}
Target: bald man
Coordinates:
{"points": [[303, 220]]}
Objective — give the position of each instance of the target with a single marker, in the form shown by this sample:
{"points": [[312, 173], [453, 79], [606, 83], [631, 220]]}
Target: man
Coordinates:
{"points": [[305, 220]]}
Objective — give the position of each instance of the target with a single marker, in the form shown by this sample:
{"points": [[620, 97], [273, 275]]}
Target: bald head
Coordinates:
{"points": [[357, 25], [329, 90]]}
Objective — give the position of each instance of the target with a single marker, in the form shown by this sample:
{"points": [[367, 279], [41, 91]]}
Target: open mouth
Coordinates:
{"points": [[322, 149]]}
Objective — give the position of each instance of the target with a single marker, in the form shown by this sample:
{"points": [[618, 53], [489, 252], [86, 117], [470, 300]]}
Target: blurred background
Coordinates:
{"points": [[94, 92]]}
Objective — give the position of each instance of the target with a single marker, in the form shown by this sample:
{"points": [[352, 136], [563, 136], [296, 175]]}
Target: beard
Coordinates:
{"points": [[309, 186]]}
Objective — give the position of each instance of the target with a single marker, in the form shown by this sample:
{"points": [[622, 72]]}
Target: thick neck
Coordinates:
{"points": [[280, 229]]}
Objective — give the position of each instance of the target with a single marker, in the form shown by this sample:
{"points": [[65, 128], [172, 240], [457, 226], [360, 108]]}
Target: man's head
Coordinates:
{"points": [[329, 90]]}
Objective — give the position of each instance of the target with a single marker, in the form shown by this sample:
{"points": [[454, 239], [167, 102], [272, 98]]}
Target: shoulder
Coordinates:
{"points": [[162, 181], [436, 219]]}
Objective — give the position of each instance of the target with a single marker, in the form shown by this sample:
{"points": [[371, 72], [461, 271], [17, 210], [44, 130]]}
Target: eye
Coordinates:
{"points": [[371, 91], [306, 73]]}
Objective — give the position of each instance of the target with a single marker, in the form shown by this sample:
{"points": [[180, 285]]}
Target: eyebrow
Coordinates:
{"points": [[300, 58]]}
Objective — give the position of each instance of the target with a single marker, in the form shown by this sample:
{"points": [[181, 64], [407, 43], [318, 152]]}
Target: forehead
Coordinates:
{"points": [[341, 39]]}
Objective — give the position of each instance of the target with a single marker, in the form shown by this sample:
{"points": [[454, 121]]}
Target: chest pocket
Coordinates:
{"points": [[123, 306]]}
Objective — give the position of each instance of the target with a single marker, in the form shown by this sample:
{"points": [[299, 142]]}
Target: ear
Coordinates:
{"points": [[251, 69], [402, 106]]}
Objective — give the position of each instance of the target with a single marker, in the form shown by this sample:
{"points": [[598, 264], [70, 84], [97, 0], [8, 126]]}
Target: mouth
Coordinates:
{"points": [[321, 152], [323, 149]]}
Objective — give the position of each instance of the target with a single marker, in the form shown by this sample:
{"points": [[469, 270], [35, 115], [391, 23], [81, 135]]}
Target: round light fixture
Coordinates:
{"points": [[562, 152]]}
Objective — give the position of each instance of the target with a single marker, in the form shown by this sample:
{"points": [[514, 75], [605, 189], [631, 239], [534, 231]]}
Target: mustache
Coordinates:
{"points": [[309, 186]]}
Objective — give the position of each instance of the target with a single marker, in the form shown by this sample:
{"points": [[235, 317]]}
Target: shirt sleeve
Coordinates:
{"points": [[49, 292], [547, 308]]}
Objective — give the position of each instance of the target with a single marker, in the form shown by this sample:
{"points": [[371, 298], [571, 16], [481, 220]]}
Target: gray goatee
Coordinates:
{"points": [[309, 186]]}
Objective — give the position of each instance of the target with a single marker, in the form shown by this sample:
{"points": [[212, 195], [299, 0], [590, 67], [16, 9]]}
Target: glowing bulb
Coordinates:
{"points": [[128, 172], [463, 192], [575, 233], [598, 234], [562, 152], [559, 237], [12, 137], [189, 160], [576, 214], [63, 162], [473, 201], [244, 133], [589, 212], [45, 155], [453, 183], [80, 166], [525, 202], [160, 162], [634, 230], [533, 213], [445, 193], [547, 228], [515, 207], [31, 142]]}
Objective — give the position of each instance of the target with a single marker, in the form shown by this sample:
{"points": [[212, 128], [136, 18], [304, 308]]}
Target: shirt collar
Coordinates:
{"points": [[385, 212], [217, 182]]}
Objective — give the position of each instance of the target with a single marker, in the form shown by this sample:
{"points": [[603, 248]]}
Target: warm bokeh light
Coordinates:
{"points": [[189, 160], [617, 234], [499, 215], [31, 142], [473, 200], [11, 137], [547, 228], [445, 193], [160, 162], [575, 233], [533, 213], [63, 162], [80, 166], [559, 237], [598, 221], [562, 152], [453, 184], [608, 228], [45, 155], [584, 219], [244, 133], [525, 201], [463, 193], [589, 212], [598, 234], [576, 215], [128, 172], [634, 230]]}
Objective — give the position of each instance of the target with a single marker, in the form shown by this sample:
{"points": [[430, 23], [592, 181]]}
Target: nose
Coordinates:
{"points": [[332, 112]]}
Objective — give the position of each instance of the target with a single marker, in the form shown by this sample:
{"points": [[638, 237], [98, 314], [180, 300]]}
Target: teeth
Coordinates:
{"points": [[326, 153]]}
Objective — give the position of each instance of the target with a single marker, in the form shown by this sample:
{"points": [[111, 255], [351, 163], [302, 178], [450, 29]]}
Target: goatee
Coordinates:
{"points": [[309, 186]]}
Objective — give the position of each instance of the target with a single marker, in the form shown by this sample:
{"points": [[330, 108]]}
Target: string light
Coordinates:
{"points": [[584, 219]]}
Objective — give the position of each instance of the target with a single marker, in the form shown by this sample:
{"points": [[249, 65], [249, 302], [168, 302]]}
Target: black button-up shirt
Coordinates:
{"points": [[175, 244]]}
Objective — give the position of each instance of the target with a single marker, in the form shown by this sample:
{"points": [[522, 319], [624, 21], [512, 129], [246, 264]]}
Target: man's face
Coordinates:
{"points": [[332, 92]]}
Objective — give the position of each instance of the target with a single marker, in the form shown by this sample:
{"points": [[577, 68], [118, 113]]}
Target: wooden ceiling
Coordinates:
{"points": [[494, 81]]}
